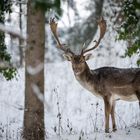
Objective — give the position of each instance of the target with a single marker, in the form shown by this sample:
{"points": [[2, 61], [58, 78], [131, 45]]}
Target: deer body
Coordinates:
{"points": [[111, 84], [118, 83], [108, 83]]}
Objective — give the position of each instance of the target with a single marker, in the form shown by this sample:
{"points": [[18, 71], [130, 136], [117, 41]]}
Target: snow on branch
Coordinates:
{"points": [[5, 65], [38, 93], [12, 32], [40, 96], [19, 1], [35, 70]]}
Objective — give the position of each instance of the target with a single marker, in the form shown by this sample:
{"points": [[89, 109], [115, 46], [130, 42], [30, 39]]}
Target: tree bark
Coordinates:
{"points": [[34, 56]]}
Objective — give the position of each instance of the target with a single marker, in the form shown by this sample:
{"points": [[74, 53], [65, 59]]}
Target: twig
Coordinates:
{"points": [[5, 65]]}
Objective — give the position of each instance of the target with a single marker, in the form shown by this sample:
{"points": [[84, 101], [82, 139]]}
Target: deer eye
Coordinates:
{"points": [[81, 61]]}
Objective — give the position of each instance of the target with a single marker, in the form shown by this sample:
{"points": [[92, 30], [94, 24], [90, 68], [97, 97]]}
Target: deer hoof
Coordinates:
{"points": [[114, 129], [106, 130]]}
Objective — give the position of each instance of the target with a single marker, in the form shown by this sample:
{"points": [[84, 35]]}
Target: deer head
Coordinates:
{"points": [[78, 61]]}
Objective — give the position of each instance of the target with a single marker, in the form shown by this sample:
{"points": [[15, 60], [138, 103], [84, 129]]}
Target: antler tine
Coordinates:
{"points": [[53, 26], [102, 26]]}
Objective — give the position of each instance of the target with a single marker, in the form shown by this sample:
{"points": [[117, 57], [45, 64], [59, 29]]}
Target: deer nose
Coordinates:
{"points": [[76, 68]]}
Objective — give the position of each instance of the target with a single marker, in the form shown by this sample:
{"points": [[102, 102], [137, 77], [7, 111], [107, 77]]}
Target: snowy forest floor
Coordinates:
{"points": [[82, 114], [128, 134]]}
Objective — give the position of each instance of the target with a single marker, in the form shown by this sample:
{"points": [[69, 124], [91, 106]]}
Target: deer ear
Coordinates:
{"points": [[67, 57], [88, 56]]}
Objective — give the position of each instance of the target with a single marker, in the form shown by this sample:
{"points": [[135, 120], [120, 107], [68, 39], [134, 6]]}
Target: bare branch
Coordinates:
{"points": [[5, 65], [13, 33]]}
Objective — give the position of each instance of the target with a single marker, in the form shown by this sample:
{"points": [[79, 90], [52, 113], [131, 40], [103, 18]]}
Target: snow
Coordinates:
{"points": [[119, 135], [69, 15], [80, 113], [11, 107]]}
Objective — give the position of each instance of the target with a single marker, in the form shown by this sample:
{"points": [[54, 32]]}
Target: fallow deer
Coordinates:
{"points": [[109, 83]]}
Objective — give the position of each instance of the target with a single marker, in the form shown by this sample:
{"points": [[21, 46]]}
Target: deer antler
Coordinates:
{"points": [[53, 26], [102, 25]]}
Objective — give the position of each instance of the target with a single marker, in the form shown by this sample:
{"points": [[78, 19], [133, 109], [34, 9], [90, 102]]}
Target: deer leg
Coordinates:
{"points": [[107, 113], [113, 116], [138, 96]]}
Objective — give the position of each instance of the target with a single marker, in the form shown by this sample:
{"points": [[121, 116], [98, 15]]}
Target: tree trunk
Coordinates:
{"points": [[34, 56]]}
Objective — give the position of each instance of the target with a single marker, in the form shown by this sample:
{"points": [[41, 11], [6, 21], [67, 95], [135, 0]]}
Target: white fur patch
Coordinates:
{"points": [[130, 98]]}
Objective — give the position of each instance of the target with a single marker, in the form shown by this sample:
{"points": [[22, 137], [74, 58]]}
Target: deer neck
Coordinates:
{"points": [[84, 78], [88, 80]]}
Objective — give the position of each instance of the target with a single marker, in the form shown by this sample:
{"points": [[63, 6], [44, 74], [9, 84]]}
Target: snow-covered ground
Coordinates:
{"points": [[80, 117], [119, 135], [11, 107]]}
